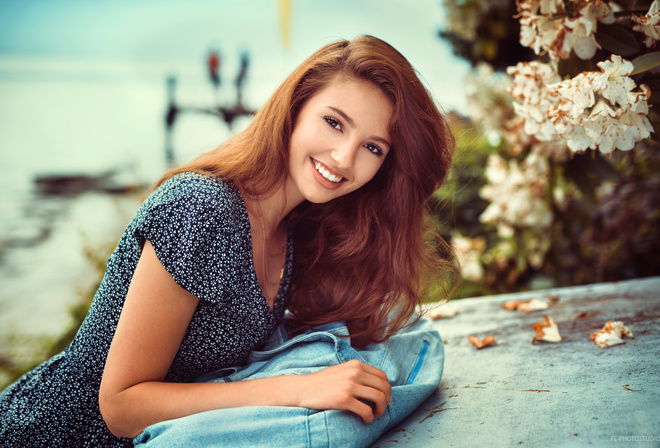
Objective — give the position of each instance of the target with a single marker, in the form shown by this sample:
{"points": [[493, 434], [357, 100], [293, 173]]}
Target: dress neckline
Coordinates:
{"points": [[279, 296]]}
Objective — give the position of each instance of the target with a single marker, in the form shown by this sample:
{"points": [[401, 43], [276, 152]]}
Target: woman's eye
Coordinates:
{"points": [[373, 148], [332, 122]]}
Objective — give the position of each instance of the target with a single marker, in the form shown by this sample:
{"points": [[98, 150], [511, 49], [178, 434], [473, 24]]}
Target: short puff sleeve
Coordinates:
{"points": [[196, 242]]}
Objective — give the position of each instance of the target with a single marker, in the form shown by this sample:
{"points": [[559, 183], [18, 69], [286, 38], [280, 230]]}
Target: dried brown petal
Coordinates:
{"points": [[611, 334], [546, 331], [511, 305], [526, 306], [481, 343], [533, 305]]}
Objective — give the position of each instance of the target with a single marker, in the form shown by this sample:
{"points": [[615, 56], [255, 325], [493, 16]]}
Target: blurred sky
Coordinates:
{"points": [[90, 75], [115, 38]]}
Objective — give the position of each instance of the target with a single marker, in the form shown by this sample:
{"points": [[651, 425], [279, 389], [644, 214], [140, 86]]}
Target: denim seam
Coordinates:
{"points": [[309, 433], [389, 414], [299, 339], [275, 358], [327, 427]]}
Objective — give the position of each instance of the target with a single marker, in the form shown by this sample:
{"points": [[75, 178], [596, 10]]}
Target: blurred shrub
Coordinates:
{"points": [[557, 173]]}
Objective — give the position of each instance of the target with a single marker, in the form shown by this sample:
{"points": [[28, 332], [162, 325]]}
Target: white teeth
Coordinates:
{"points": [[325, 173]]}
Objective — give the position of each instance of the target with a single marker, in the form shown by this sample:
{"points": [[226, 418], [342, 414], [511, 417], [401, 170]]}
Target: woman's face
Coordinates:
{"points": [[339, 140]]}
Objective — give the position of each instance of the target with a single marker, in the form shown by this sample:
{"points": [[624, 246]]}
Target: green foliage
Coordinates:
{"points": [[484, 31], [458, 203]]}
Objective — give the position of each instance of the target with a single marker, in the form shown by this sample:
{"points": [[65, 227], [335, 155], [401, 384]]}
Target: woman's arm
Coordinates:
{"points": [[152, 324]]}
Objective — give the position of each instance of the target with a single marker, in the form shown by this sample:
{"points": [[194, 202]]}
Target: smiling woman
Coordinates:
{"points": [[330, 157], [337, 168]]}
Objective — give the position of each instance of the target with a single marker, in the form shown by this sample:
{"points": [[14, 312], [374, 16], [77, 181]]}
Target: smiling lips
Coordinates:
{"points": [[323, 174]]}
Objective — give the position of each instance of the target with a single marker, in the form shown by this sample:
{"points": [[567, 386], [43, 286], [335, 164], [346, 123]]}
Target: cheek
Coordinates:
{"points": [[371, 165], [301, 144]]}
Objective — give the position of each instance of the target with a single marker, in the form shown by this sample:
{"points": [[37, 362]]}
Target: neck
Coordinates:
{"points": [[274, 207]]}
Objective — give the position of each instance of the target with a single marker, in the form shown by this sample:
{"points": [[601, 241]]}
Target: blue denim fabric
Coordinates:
{"points": [[412, 359]]}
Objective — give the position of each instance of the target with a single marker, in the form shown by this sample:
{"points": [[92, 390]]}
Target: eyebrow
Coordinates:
{"points": [[350, 121]]}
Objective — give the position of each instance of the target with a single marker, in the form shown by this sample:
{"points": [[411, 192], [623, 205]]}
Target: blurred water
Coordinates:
{"points": [[85, 127]]}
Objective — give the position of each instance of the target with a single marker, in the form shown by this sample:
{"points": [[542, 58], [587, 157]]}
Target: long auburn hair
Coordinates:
{"points": [[362, 258]]}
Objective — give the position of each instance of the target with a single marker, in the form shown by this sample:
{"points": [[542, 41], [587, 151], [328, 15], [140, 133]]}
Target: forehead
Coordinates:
{"points": [[344, 87], [361, 100]]}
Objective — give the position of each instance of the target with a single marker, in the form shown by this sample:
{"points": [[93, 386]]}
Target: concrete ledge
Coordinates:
{"points": [[571, 393]]}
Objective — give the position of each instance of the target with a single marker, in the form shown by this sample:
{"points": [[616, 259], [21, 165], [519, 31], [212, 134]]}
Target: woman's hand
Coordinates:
{"points": [[344, 386]]}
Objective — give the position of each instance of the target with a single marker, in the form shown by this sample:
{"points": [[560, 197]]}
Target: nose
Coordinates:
{"points": [[344, 154]]}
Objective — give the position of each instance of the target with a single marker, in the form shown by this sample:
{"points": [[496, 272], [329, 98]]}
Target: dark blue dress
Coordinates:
{"points": [[200, 231]]}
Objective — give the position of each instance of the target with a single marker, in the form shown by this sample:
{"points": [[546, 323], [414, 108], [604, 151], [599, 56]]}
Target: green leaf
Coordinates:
{"points": [[633, 6], [617, 40], [645, 62], [571, 67]]}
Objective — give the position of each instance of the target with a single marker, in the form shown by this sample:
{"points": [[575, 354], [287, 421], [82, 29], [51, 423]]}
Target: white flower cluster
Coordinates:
{"points": [[489, 104], [517, 193], [592, 110], [546, 25], [468, 252], [649, 24], [601, 110], [530, 88], [487, 97]]}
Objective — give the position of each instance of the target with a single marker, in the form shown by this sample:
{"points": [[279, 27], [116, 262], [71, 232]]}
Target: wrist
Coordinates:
{"points": [[280, 390]]}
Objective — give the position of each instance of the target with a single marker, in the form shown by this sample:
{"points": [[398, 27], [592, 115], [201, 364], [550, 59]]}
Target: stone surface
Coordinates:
{"points": [[571, 393]]}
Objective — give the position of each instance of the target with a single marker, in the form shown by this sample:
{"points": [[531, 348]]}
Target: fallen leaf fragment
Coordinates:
{"points": [[546, 331], [533, 305], [444, 311], [583, 315], [611, 334], [481, 343], [526, 306], [511, 305]]}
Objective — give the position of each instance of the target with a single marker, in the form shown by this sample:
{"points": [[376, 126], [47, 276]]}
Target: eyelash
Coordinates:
{"points": [[336, 124]]}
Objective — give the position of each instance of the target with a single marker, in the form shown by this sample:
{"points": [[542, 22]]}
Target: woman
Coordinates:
{"points": [[339, 163]]}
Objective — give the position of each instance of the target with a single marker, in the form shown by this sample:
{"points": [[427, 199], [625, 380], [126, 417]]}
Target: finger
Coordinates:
{"points": [[378, 392], [376, 377], [378, 383], [365, 411], [379, 398], [367, 368]]}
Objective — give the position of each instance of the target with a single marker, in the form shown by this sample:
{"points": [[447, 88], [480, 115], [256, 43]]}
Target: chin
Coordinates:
{"points": [[322, 197], [318, 199]]}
